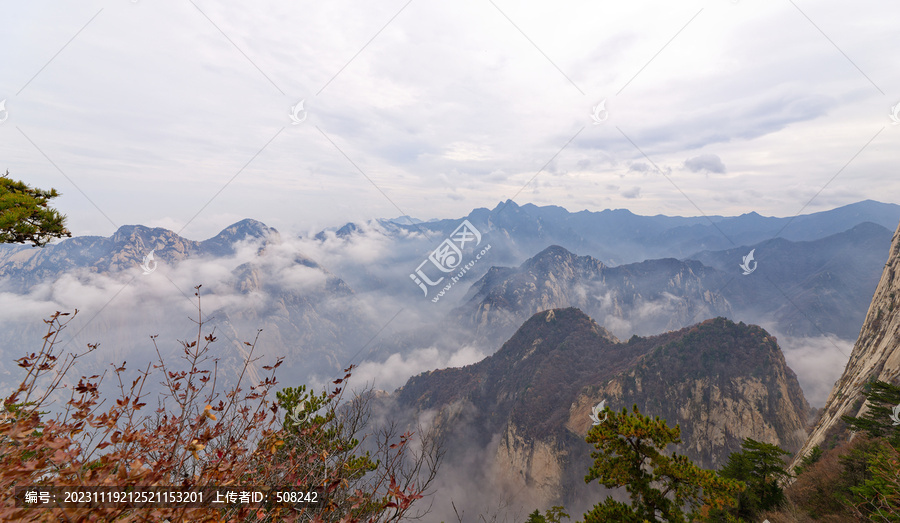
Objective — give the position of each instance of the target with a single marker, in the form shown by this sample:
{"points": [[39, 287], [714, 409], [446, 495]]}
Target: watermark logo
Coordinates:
{"points": [[748, 259], [595, 413], [149, 264], [296, 113], [298, 414], [447, 258], [4, 114], [895, 113], [600, 113], [895, 416]]}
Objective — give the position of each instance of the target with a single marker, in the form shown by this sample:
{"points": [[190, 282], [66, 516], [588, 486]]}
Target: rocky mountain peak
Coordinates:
{"points": [[557, 278], [551, 328], [720, 381], [223, 243], [126, 248], [508, 203], [246, 227], [135, 233], [550, 258]]}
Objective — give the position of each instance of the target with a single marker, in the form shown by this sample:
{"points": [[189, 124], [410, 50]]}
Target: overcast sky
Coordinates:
{"points": [[145, 111]]}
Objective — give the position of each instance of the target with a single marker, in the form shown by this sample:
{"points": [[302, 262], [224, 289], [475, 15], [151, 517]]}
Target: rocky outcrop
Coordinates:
{"points": [[875, 356], [720, 381]]}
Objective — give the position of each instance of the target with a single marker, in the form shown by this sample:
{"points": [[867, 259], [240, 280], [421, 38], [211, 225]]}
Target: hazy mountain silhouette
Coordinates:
{"points": [[802, 288], [618, 236]]}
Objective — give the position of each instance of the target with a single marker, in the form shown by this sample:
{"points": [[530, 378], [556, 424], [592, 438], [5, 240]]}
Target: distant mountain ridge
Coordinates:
{"points": [[614, 237], [806, 287], [301, 311], [673, 292], [22, 266], [620, 236]]}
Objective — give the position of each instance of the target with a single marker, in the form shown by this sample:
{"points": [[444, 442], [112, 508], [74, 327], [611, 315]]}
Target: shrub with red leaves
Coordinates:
{"points": [[203, 437]]}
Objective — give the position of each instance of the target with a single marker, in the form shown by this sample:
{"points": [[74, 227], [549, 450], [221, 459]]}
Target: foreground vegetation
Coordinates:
{"points": [[202, 436], [856, 480]]}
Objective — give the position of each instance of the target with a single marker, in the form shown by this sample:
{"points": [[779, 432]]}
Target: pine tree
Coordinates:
{"points": [[877, 421], [25, 215], [760, 467], [630, 453], [876, 494]]}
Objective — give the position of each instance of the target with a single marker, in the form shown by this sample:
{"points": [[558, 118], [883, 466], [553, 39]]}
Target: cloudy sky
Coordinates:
{"points": [[177, 113]]}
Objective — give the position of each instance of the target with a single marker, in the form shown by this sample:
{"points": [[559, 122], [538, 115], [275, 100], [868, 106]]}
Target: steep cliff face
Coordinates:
{"points": [[533, 468], [720, 381], [876, 356]]}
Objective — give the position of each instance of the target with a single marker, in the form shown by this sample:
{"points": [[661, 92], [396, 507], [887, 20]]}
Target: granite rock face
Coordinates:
{"points": [[875, 356]]}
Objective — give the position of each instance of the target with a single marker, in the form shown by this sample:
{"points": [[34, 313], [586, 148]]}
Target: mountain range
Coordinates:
{"points": [[326, 299], [800, 288], [803, 258], [618, 236], [251, 283], [23, 266]]}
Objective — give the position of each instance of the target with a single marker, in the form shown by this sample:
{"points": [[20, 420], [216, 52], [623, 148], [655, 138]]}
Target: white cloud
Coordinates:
{"points": [[818, 362], [632, 193], [464, 152], [120, 309], [397, 369], [151, 133], [705, 162]]}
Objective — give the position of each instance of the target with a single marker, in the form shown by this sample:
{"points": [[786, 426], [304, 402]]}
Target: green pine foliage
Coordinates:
{"points": [[878, 496], [26, 216], [855, 480], [313, 427], [761, 468], [876, 493], [553, 514], [878, 420], [630, 453]]}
